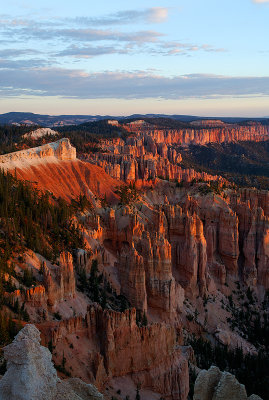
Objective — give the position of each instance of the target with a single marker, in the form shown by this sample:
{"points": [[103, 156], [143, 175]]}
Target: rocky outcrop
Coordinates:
{"points": [[87, 179], [31, 375], [51, 152], [132, 277], [188, 249], [35, 296], [251, 207], [134, 168], [39, 133], [221, 234], [115, 346], [172, 243], [144, 260], [225, 133], [216, 385], [163, 294], [59, 280], [56, 283], [155, 153], [54, 165]]}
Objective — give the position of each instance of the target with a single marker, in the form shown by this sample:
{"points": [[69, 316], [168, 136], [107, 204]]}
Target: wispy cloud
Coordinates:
{"points": [[155, 15], [90, 51], [108, 41], [260, 1], [177, 48], [11, 53], [33, 32], [88, 37], [154, 48], [126, 85]]}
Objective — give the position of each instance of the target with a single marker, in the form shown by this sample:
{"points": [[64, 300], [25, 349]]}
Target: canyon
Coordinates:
{"points": [[175, 259], [150, 152], [204, 132], [36, 377]]}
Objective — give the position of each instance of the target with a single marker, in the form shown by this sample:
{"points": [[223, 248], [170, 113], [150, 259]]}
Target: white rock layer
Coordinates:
{"points": [[62, 150], [38, 133]]}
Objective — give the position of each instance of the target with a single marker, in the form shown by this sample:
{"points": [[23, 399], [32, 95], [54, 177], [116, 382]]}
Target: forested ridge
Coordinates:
{"points": [[30, 219], [245, 163]]}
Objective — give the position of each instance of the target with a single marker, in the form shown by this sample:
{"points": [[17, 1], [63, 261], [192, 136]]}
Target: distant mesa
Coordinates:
{"points": [[31, 119], [208, 122], [113, 122], [139, 122]]}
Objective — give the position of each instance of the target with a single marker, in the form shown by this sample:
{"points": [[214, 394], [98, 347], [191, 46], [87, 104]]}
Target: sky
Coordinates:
{"points": [[198, 57]]}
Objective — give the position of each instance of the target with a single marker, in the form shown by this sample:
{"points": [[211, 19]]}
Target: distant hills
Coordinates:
{"points": [[47, 120], [25, 118]]}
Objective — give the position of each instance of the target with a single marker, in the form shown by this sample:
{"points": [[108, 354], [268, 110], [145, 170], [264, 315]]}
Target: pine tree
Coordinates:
{"points": [[137, 396], [144, 321], [16, 307]]}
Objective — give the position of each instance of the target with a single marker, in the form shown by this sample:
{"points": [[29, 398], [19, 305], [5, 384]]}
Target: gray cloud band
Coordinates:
{"points": [[123, 85]]}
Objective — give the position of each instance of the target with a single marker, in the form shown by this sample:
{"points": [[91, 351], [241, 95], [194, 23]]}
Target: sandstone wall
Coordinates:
{"points": [[116, 347]]}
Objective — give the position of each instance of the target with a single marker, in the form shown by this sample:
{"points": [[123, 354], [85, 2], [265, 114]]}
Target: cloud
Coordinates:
{"points": [[161, 48], [126, 85], [260, 1], [89, 51], [80, 34], [89, 35], [157, 14], [83, 28], [8, 53], [154, 15], [22, 63], [176, 48]]}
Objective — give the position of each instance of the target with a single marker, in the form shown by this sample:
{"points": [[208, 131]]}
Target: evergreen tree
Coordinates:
{"points": [[144, 321], [137, 396]]}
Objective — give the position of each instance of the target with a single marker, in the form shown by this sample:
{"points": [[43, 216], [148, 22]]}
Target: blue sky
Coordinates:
{"points": [[200, 57]]}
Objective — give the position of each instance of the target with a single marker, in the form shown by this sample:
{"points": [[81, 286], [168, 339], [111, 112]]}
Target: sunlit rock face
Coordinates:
{"points": [[210, 134], [150, 152], [166, 253], [54, 167], [115, 346], [60, 150], [59, 280]]}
